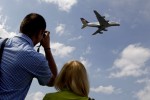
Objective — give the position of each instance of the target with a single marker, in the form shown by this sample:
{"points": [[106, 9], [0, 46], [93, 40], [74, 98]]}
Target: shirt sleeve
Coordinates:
{"points": [[43, 73]]}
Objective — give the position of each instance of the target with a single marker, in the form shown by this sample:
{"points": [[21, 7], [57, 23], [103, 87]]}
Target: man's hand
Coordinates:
{"points": [[46, 40]]}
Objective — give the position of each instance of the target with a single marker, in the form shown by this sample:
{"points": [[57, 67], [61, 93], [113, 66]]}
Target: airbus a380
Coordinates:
{"points": [[102, 24]]}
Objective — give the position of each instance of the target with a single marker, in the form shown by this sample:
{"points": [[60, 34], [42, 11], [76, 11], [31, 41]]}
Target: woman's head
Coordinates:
{"points": [[32, 24], [73, 76]]}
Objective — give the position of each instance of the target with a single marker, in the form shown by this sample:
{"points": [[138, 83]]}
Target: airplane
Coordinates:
{"points": [[102, 24]]}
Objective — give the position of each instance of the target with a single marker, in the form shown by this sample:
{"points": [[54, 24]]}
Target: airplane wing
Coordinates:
{"points": [[101, 19], [98, 31]]}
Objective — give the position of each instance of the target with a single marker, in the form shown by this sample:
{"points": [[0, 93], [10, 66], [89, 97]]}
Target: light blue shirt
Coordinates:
{"points": [[20, 64]]}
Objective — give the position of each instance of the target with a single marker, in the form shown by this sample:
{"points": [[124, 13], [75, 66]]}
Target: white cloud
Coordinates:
{"points": [[5, 34], [60, 29], [85, 62], [35, 96], [61, 49], [3, 31], [106, 90], [75, 38], [145, 93], [64, 5], [88, 50], [145, 80], [132, 61]]}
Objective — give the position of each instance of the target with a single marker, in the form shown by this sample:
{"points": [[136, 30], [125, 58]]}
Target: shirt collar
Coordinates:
{"points": [[25, 37]]}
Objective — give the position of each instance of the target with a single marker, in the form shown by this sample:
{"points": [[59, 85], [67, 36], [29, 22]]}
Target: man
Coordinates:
{"points": [[20, 62]]}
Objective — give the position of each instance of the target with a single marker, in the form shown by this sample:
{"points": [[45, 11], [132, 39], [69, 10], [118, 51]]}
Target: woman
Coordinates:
{"points": [[72, 83]]}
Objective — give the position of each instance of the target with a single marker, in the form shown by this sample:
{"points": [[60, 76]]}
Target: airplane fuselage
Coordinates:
{"points": [[97, 24], [113, 24], [93, 24]]}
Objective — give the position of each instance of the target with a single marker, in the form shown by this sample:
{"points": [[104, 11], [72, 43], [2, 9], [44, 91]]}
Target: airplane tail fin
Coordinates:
{"points": [[84, 22]]}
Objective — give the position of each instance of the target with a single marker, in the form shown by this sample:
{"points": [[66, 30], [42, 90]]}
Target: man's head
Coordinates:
{"points": [[32, 24]]}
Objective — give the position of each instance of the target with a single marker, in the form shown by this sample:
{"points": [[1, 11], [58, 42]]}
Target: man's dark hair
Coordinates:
{"points": [[32, 24]]}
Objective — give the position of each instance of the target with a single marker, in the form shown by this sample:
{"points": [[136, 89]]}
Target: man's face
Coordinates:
{"points": [[41, 35]]}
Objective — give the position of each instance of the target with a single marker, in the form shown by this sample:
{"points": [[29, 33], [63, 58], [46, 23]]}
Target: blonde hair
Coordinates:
{"points": [[73, 76]]}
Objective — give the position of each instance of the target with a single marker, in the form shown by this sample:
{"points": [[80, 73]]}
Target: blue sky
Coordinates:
{"points": [[117, 61]]}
